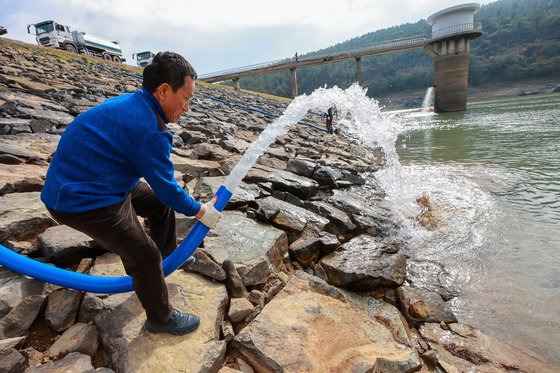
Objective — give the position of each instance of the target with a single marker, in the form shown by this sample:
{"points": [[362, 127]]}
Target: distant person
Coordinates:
{"points": [[296, 56], [329, 120], [93, 183]]}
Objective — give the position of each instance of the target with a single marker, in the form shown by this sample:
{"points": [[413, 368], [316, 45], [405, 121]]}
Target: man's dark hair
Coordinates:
{"points": [[167, 67]]}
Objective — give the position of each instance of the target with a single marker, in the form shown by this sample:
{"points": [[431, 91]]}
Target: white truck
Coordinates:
{"points": [[53, 34], [143, 59]]}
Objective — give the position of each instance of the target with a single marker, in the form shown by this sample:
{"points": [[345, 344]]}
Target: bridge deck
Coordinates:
{"points": [[392, 46]]}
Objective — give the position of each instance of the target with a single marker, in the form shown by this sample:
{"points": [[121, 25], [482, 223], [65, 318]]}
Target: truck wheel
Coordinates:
{"points": [[70, 48], [116, 59], [106, 56]]}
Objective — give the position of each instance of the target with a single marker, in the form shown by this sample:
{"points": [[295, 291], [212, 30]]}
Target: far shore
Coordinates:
{"points": [[413, 99]]}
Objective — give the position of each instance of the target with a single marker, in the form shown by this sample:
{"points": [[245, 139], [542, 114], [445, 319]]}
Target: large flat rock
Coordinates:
{"points": [[22, 215], [365, 263], [256, 249], [311, 326], [131, 349]]}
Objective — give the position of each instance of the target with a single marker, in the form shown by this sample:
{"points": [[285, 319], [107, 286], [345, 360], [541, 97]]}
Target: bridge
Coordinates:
{"points": [[449, 37]]}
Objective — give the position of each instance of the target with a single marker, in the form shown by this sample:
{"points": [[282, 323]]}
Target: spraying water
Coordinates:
{"points": [[361, 120], [427, 102]]}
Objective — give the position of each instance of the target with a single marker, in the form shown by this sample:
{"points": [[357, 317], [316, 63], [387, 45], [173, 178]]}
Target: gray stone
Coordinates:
{"points": [[283, 180], [289, 217], [365, 263], [340, 221], [79, 338], [255, 249], [239, 308], [324, 177], [63, 245], [22, 215], [227, 331], [15, 342], [62, 308], [11, 361], [305, 251], [256, 297], [234, 283], [206, 266], [55, 116], [20, 318], [386, 365], [74, 362], [302, 166], [438, 310], [14, 288]]}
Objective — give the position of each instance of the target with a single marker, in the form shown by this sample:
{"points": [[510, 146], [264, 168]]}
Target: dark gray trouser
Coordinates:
{"points": [[118, 229]]}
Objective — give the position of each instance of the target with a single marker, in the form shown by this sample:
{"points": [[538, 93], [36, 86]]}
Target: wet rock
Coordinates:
{"points": [[14, 288], [62, 308], [289, 217], [465, 348], [283, 180], [431, 276], [79, 338], [206, 266], [74, 362], [239, 308], [22, 215], [131, 349], [20, 318], [255, 249], [423, 306], [365, 263], [294, 332], [11, 361], [63, 245]]}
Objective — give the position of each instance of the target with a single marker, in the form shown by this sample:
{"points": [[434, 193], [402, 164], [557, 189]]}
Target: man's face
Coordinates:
{"points": [[174, 104]]}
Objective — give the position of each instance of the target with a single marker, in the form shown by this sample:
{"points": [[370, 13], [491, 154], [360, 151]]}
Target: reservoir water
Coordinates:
{"points": [[492, 174]]}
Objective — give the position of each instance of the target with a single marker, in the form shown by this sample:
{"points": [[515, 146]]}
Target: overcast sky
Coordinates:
{"points": [[220, 34]]}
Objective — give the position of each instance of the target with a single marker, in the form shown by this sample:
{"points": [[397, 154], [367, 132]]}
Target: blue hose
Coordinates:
{"points": [[107, 285]]}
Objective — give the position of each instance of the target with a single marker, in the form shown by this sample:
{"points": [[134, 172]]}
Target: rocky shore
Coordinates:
{"points": [[299, 275]]}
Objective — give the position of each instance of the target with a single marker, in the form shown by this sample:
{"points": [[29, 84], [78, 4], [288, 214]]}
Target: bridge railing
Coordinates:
{"points": [[456, 29], [411, 41]]}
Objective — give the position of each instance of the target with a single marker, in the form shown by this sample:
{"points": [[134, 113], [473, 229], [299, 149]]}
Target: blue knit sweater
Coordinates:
{"points": [[104, 152]]}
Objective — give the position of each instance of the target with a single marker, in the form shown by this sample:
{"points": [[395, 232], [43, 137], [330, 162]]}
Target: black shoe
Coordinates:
{"points": [[179, 324]]}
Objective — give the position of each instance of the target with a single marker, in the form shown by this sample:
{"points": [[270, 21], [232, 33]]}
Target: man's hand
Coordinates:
{"points": [[208, 215]]}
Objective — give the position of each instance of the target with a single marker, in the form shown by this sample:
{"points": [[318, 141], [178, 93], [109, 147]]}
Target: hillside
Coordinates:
{"points": [[521, 42]]}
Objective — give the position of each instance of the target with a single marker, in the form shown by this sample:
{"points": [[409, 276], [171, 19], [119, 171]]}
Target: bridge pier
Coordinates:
{"points": [[294, 82], [359, 71], [236, 84]]}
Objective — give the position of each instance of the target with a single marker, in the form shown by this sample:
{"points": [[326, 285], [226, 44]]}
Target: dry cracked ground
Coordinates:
{"points": [[299, 276]]}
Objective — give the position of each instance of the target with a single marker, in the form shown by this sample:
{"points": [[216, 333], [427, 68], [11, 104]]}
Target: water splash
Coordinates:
{"points": [[427, 102], [360, 118]]}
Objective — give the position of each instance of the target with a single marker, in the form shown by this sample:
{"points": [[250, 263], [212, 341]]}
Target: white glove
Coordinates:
{"points": [[208, 215]]}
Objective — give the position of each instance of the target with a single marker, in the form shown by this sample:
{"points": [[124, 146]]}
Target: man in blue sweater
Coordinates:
{"points": [[93, 185]]}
